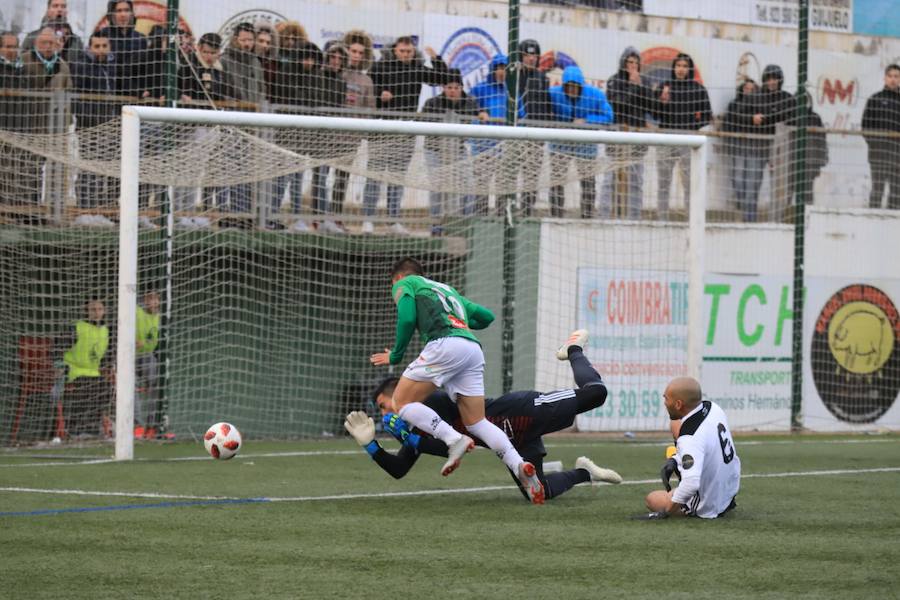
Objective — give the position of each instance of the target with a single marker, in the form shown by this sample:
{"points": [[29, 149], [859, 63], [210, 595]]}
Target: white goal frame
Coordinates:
{"points": [[133, 116]]}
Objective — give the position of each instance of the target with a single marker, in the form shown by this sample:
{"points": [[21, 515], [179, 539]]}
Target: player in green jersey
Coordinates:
{"points": [[452, 359]]}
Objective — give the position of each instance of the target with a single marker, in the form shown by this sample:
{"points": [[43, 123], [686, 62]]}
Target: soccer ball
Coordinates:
{"points": [[222, 441]]}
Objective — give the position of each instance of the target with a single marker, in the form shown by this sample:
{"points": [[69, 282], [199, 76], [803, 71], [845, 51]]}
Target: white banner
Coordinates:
{"points": [[851, 328], [747, 348], [637, 320], [824, 15]]}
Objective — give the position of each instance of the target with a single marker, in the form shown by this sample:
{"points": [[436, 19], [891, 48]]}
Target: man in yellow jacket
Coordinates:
{"points": [[147, 367], [88, 395]]}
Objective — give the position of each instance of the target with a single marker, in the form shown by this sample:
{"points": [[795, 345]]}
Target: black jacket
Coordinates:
{"points": [[882, 113], [130, 49], [404, 81], [778, 106], [739, 119], [534, 89], [688, 106], [631, 102], [331, 88], [11, 107], [203, 83], [455, 111], [94, 78], [816, 144], [296, 83]]}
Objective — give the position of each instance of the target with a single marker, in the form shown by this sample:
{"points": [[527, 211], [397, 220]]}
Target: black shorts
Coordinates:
{"points": [[554, 412]]}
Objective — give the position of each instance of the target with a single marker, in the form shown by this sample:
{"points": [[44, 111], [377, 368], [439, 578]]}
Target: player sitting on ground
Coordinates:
{"points": [[525, 416], [452, 359], [705, 457]]}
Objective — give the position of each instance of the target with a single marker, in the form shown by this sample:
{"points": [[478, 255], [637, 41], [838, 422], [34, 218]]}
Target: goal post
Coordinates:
{"points": [[258, 130]]}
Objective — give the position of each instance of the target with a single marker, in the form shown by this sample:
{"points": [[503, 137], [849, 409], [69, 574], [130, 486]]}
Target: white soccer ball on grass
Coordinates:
{"points": [[222, 441]]}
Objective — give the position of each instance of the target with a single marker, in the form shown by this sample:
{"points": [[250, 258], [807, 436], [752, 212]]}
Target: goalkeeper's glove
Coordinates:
{"points": [[398, 428], [668, 469], [362, 428]]}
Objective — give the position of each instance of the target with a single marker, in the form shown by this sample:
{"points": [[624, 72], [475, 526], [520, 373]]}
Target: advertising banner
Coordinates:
{"points": [[852, 337], [824, 15], [637, 320]]}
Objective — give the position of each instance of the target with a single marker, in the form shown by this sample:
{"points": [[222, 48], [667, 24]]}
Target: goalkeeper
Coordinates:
{"points": [[452, 358], [525, 416]]}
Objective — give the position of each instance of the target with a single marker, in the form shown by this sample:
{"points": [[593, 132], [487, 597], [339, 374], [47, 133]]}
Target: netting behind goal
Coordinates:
{"points": [[269, 315]]}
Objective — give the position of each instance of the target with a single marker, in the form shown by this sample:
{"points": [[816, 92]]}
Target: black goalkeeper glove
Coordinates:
{"points": [[669, 469]]}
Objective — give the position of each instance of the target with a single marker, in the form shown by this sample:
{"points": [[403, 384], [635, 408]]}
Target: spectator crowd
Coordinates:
{"points": [[261, 66]]}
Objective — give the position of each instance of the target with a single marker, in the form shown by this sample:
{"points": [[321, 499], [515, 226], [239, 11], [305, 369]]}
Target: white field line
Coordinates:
{"points": [[388, 442], [158, 496]]}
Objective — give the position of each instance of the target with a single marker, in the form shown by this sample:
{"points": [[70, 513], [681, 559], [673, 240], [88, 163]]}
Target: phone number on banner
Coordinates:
{"points": [[630, 403]]}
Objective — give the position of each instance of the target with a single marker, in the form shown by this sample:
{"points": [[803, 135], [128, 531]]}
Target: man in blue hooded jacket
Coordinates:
{"points": [[576, 102]]}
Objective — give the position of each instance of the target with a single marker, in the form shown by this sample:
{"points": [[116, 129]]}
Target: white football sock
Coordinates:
{"points": [[497, 441], [419, 415]]}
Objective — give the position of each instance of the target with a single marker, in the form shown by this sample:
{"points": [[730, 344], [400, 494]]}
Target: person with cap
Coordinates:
{"points": [[775, 106], [534, 92]]}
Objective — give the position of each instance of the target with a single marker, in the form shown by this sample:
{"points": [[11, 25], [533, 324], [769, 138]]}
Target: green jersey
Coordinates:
{"points": [[441, 311]]}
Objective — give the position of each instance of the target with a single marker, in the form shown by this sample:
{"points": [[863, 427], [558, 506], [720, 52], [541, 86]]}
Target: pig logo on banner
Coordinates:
{"points": [[855, 356]]}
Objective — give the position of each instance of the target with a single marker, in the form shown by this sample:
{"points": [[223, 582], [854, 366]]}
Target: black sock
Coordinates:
{"points": [[584, 372], [560, 483]]}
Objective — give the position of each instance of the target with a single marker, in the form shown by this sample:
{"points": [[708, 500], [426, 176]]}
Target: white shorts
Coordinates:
{"points": [[453, 363]]}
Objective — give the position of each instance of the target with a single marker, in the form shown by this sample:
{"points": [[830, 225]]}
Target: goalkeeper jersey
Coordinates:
{"points": [[441, 311]]}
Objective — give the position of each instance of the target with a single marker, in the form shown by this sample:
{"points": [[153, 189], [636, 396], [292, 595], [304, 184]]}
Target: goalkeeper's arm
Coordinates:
{"points": [[398, 465], [362, 428]]}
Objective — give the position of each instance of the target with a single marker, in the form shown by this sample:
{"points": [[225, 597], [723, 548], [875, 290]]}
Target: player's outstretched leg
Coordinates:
{"points": [[530, 482], [597, 473], [455, 451], [579, 338]]}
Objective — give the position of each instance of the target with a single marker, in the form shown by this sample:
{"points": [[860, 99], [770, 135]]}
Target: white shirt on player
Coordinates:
{"points": [[708, 462]]}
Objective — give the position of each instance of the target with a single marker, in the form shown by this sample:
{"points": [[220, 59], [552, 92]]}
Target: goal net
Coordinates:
{"points": [[270, 305]]}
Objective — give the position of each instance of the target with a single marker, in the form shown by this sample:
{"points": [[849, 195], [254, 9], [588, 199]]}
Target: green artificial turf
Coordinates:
{"points": [[805, 535]]}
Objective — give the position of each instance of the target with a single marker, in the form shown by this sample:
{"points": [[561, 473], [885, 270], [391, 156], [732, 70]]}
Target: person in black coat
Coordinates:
{"points": [[882, 114], [94, 84], [816, 152], [747, 150], [330, 91], [455, 106], [398, 79], [534, 93], [632, 102], [202, 81], [129, 48], [683, 104], [11, 111]]}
